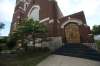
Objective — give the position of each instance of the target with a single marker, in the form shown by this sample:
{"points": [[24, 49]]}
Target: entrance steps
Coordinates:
{"points": [[78, 50]]}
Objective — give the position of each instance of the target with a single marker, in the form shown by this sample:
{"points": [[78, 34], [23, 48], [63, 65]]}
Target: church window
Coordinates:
{"points": [[34, 13]]}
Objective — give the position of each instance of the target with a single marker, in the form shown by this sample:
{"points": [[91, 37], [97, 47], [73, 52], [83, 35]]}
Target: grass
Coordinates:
{"points": [[26, 59], [98, 44]]}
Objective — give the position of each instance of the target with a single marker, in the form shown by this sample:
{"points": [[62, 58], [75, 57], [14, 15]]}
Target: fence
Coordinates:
{"points": [[91, 45]]}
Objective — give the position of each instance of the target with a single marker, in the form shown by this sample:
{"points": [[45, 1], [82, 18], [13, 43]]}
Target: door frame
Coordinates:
{"points": [[78, 40]]}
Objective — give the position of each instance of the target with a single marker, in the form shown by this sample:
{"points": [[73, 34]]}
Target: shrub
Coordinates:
{"points": [[0, 49], [11, 43], [3, 40], [98, 45]]}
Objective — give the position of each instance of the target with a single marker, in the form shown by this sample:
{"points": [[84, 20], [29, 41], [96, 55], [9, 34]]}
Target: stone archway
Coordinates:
{"points": [[72, 33]]}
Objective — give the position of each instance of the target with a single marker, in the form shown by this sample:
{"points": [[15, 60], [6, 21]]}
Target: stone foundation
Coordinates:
{"points": [[54, 43]]}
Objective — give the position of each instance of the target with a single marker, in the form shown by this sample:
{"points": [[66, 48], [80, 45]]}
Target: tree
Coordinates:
{"points": [[3, 40], [2, 25], [28, 27], [96, 30]]}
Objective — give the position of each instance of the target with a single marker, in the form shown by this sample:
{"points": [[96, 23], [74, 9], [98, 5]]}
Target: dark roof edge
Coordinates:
{"points": [[80, 15]]}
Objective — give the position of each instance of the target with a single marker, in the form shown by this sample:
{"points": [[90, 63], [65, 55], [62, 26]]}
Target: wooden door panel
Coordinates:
{"points": [[72, 33]]}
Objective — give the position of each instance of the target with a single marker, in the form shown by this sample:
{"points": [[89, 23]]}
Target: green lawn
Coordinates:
{"points": [[98, 44], [26, 59]]}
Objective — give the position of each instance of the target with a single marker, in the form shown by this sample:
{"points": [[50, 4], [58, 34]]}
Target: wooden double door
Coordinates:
{"points": [[72, 33]]}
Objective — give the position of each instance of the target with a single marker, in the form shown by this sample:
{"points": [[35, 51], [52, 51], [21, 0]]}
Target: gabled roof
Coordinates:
{"points": [[79, 15]]}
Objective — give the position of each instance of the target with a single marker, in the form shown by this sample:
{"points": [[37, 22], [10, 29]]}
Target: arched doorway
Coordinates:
{"points": [[72, 33]]}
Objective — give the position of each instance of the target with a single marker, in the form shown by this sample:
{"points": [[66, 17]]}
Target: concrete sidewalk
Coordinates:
{"points": [[58, 60]]}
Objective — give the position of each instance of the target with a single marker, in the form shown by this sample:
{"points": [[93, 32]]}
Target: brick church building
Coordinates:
{"points": [[72, 28]]}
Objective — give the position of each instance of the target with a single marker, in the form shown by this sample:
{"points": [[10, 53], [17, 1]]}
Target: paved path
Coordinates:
{"points": [[58, 60]]}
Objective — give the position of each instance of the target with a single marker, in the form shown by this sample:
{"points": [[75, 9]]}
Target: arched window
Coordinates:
{"points": [[34, 13]]}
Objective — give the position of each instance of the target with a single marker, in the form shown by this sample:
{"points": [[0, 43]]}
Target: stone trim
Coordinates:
{"points": [[21, 8], [18, 17], [79, 22], [45, 19], [51, 21], [58, 21], [34, 6], [85, 25], [90, 34], [25, 3]]}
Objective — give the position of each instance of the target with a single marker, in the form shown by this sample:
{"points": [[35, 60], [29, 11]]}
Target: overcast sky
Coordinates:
{"points": [[91, 9]]}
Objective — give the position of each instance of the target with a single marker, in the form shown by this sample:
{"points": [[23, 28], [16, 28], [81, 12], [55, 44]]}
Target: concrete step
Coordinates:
{"points": [[78, 51]]}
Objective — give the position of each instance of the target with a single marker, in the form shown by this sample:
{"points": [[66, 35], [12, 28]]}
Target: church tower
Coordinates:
{"points": [[41, 10]]}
